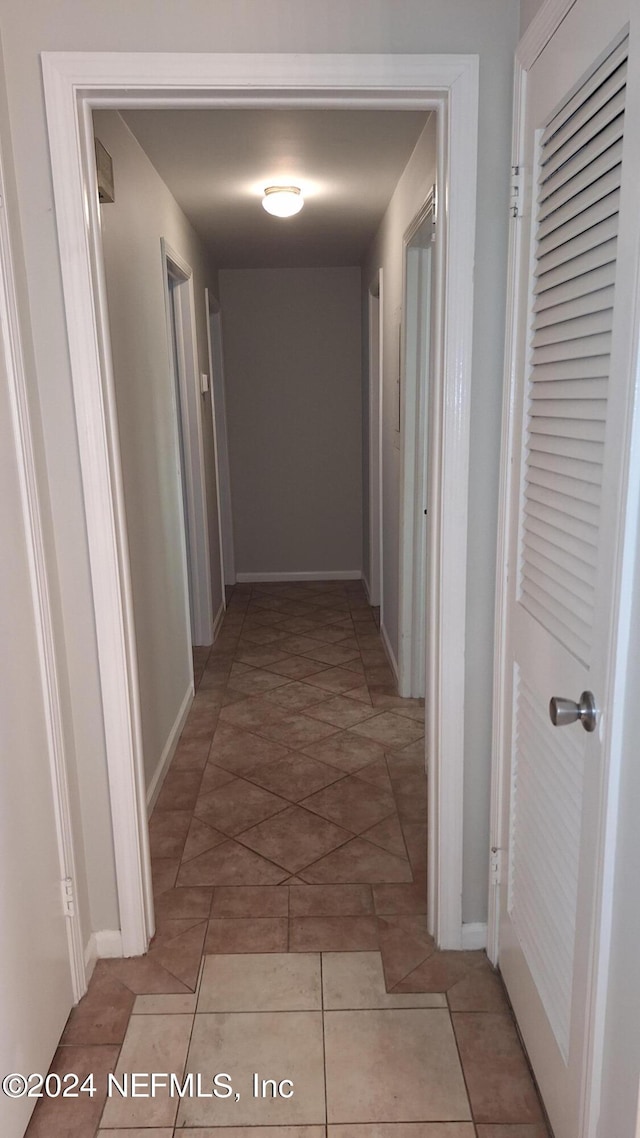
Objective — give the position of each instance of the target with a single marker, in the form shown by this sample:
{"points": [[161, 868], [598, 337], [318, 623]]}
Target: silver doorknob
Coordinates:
{"points": [[564, 711]]}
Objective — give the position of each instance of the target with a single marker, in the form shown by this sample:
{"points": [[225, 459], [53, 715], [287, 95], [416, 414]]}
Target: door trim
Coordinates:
{"points": [[375, 334], [221, 447], [75, 83], [543, 27], [34, 536], [414, 458]]}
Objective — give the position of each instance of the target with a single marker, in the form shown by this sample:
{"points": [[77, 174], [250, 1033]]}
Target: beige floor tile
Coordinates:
{"points": [[393, 1066], [333, 654], [173, 1004], [346, 751], [500, 1086], [257, 1132], [535, 1130], [354, 804], [377, 774], [261, 657], [404, 1130], [278, 982], [250, 901], [394, 900], [276, 1045], [247, 934], [294, 777], [388, 835], [153, 1132], [294, 838], [333, 934], [152, 1043], [341, 711], [330, 901], [249, 714], [355, 980], [297, 696], [230, 864], [236, 750], [238, 806], [389, 729], [297, 731], [201, 837], [357, 862], [258, 680], [338, 679], [296, 667]]}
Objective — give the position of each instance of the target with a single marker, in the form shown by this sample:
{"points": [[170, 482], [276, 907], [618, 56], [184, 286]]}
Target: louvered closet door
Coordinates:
{"points": [[561, 556]]}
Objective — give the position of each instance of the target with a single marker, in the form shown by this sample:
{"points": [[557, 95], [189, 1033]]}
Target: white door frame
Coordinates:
{"points": [[537, 36], [221, 443], [375, 301], [189, 424], [415, 595], [77, 82], [11, 346]]}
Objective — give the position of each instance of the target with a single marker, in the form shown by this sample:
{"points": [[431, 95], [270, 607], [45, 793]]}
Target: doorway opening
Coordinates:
{"points": [[75, 83]]}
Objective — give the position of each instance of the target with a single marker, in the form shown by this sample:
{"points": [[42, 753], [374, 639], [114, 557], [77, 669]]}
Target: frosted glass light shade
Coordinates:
{"points": [[283, 201]]}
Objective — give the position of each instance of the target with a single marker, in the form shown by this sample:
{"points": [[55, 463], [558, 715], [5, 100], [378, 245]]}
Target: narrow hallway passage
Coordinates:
{"points": [[289, 859]]}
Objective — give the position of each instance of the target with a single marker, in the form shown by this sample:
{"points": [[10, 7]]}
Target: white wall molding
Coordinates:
{"points": [[102, 945], [474, 935], [75, 83], [303, 575], [545, 22], [169, 750], [367, 588]]}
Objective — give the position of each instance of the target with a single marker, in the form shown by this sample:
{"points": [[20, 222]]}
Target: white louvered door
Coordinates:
{"points": [[563, 549]]}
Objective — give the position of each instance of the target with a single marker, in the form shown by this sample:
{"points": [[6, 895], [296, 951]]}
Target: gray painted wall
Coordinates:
{"points": [[292, 374], [489, 29], [132, 227]]}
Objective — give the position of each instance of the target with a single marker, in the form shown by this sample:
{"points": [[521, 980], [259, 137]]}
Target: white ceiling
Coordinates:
{"points": [[217, 163]]}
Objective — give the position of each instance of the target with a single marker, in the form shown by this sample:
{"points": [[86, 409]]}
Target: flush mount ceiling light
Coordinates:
{"points": [[283, 201]]}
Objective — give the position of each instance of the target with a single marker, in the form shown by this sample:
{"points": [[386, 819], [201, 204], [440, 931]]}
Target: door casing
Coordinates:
{"points": [[77, 83]]}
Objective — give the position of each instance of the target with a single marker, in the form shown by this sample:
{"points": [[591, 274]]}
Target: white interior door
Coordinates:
{"points": [[570, 453], [35, 976]]}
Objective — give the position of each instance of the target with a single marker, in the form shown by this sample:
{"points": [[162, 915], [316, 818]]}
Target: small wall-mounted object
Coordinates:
{"points": [[204, 382], [104, 170]]}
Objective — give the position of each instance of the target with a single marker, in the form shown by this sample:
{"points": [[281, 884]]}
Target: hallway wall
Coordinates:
{"points": [[292, 373], [489, 29], [143, 212]]}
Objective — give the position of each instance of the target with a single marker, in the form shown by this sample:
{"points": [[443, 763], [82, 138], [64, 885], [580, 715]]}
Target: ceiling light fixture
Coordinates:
{"points": [[283, 201]]}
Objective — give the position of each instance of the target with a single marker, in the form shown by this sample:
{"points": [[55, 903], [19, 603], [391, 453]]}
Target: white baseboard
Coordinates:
{"points": [[367, 588], [102, 945], [155, 785], [217, 624], [386, 643], [474, 935], [320, 575]]}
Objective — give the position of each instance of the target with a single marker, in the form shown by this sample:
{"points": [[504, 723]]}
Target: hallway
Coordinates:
{"points": [[289, 857]]}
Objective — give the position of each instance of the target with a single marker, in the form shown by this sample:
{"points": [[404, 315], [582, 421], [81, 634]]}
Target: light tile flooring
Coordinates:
{"points": [[289, 860]]}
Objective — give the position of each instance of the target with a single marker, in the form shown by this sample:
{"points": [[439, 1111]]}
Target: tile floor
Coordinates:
{"points": [[289, 860]]}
